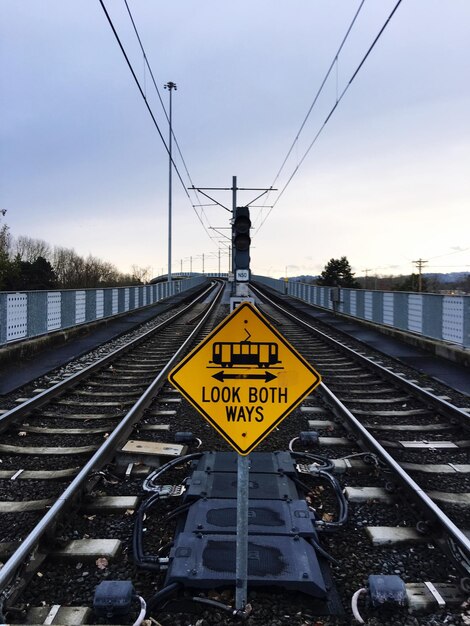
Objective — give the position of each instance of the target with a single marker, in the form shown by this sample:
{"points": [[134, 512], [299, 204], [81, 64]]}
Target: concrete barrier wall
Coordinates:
{"points": [[436, 316], [32, 313]]}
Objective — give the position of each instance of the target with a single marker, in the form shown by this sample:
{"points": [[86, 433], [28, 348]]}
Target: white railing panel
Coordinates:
{"points": [[452, 319], [353, 303], [54, 310], [17, 316], [80, 307], [368, 305], [115, 301], [99, 303], [415, 313], [388, 308]]}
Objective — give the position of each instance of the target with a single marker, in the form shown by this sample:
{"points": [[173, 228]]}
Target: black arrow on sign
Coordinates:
{"points": [[222, 376]]}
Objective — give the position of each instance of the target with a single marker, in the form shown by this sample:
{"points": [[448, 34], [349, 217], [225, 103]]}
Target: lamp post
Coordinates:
{"points": [[170, 86]]}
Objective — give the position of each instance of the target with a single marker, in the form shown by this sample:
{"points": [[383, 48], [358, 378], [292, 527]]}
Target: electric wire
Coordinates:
{"points": [[144, 97], [129, 64], [147, 64], [320, 89], [333, 109]]}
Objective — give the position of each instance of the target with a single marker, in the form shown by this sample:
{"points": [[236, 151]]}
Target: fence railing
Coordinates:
{"points": [[431, 315], [29, 314]]}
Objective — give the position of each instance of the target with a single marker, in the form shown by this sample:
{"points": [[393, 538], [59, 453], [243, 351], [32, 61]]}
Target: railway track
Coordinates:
{"points": [[387, 531]]}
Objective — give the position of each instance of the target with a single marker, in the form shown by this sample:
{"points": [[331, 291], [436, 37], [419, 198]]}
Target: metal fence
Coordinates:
{"points": [[430, 315], [32, 313]]}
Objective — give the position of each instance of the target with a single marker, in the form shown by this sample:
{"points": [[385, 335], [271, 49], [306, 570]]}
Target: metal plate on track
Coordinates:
{"points": [[209, 561], [273, 517], [224, 485], [260, 462]]}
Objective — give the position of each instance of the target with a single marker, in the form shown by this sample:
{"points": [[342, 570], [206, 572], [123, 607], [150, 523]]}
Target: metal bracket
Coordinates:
{"points": [[304, 468], [435, 593], [168, 491]]}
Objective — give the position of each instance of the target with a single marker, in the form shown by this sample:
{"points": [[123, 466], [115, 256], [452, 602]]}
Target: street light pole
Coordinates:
{"points": [[170, 86]]}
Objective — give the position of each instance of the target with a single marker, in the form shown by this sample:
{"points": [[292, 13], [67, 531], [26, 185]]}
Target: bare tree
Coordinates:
{"points": [[141, 274], [69, 268], [29, 249]]}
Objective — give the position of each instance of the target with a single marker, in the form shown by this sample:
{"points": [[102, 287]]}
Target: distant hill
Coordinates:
{"points": [[450, 277], [306, 278]]}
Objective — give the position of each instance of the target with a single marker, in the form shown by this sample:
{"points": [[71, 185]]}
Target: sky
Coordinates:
{"points": [[385, 183]]}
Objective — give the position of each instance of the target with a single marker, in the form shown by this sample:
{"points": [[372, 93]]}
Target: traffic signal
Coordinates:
{"points": [[241, 238]]}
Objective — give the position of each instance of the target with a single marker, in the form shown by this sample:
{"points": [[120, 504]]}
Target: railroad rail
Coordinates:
{"points": [[333, 442], [150, 379], [455, 423]]}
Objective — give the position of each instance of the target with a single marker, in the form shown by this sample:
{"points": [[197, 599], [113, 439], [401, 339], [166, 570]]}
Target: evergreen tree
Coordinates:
{"points": [[26, 276], [338, 273], [411, 283], [5, 264]]}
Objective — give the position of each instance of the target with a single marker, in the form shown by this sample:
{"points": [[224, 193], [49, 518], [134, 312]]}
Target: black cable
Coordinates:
{"points": [[141, 559], [324, 462], [151, 112], [161, 596], [215, 603], [335, 59], [148, 482], [141, 90], [342, 502], [178, 511], [166, 114], [148, 561], [318, 548], [296, 169]]}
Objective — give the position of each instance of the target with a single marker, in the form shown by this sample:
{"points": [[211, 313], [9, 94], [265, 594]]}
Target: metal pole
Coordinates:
{"points": [[170, 86], [234, 210], [219, 262], [241, 574], [203, 263]]}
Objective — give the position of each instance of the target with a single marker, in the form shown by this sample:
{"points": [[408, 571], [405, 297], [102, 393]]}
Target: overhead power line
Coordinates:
{"points": [[142, 93], [147, 64], [335, 60], [333, 109]]}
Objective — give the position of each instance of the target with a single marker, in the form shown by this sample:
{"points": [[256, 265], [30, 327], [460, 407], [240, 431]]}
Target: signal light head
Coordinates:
{"points": [[242, 241], [241, 237]]}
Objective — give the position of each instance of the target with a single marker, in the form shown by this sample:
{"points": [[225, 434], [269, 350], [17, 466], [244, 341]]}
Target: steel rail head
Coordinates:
{"points": [[18, 558], [428, 504], [446, 407], [46, 396]]}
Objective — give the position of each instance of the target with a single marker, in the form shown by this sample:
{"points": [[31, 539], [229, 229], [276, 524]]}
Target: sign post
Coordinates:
{"points": [[244, 378], [241, 563]]}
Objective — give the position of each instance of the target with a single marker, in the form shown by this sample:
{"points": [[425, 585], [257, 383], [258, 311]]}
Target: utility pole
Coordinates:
{"points": [[366, 271], [170, 86], [241, 290], [419, 264], [233, 210]]}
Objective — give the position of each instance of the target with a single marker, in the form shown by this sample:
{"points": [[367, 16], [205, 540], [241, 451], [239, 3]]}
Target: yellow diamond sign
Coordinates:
{"points": [[244, 378]]}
